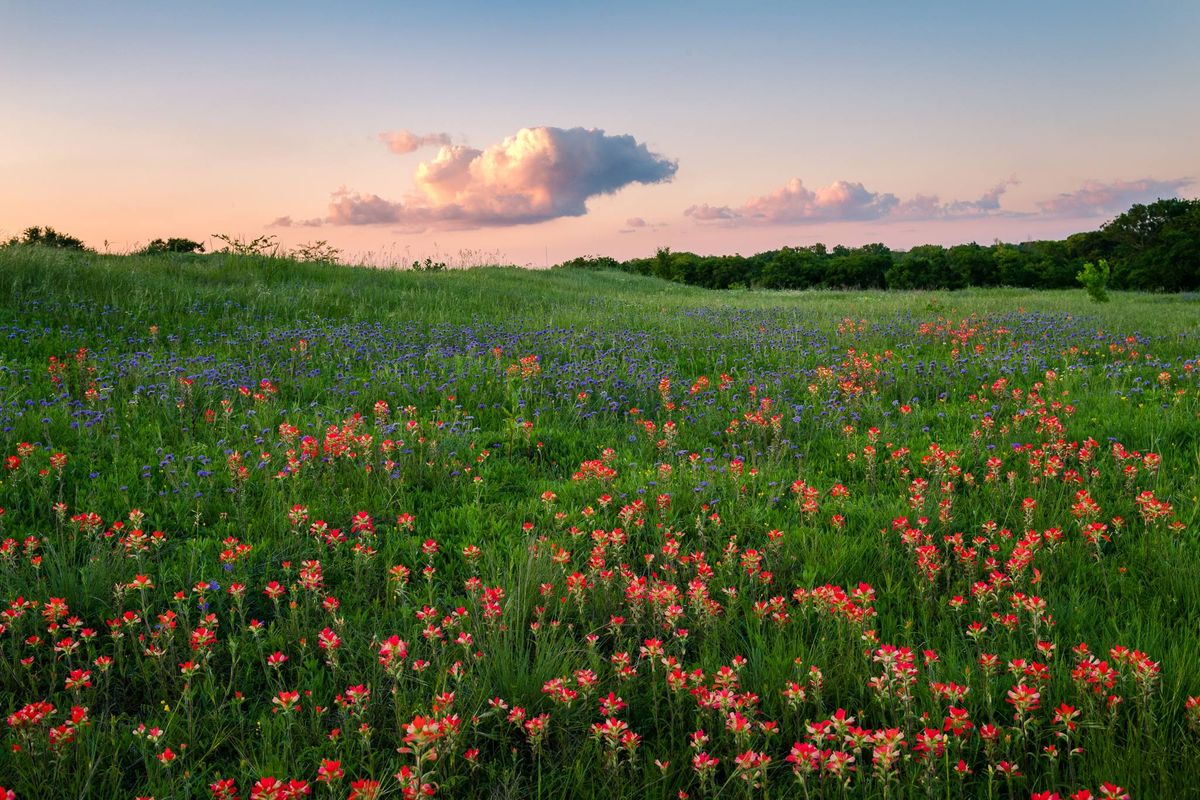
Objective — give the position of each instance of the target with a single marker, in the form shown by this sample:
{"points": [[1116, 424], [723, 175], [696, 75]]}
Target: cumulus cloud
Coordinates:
{"points": [[635, 222], [707, 213], [990, 201], [796, 204], [535, 175], [403, 141], [1097, 199], [840, 200], [352, 208], [930, 206]]}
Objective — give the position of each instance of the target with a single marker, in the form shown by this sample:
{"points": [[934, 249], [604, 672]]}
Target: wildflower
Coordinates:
{"points": [[203, 638], [364, 789], [611, 705], [805, 759], [329, 642], [536, 728], [752, 767], [329, 771], [423, 731], [1024, 699], [286, 701], [79, 679], [704, 764], [223, 789]]}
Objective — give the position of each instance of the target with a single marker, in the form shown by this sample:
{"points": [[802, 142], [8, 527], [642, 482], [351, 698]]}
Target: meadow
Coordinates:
{"points": [[277, 530]]}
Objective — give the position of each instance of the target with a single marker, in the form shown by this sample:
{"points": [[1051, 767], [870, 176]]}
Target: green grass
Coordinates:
{"points": [[150, 415]]}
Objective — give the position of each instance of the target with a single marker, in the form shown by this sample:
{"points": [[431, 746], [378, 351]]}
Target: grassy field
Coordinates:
{"points": [[276, 530]]}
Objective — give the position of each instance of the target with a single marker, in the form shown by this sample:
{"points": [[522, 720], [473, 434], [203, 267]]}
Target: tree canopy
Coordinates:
{"points": [[1153, 247]]}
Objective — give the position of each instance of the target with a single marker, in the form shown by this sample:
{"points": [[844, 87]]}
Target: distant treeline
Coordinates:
{"points": [[1153, 247]]}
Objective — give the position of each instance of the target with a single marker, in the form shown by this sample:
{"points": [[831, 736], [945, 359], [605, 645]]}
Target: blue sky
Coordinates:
{"points": [[128, 121]]}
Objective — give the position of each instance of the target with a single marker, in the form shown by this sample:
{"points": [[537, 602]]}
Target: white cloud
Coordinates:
{"points": [[535, 175]]}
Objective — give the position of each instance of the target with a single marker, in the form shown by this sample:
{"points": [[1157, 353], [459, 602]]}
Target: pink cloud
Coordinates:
{"points": [[403, 141], [794, 203], [706, 213], [635, 224], [930, 206], [1097, 199], [535, 175], [288, 222], [842, 201], [352, 208]]}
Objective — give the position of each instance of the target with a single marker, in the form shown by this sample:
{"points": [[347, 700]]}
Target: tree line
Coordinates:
{"points": [[1154, 247], [39, 236]]}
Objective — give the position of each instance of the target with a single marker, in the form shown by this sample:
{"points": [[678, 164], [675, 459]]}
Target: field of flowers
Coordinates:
{"points": [[273, 530]]}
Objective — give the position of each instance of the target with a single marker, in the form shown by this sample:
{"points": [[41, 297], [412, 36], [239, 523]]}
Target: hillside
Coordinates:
{"points": [[272, 528]]}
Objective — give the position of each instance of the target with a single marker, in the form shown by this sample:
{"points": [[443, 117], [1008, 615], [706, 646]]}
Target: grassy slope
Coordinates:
{"points": [[65, 301], [282, 290]]}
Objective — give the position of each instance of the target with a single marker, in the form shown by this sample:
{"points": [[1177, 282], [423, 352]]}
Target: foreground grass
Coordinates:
{"points": [[736, 512]]}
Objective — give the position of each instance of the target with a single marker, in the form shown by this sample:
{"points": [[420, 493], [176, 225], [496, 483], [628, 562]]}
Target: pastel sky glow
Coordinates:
{"points": [[537, 132]]}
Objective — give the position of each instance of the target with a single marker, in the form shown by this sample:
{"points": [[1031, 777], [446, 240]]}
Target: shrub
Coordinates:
{"points": [[429, 265], [260, 246], [48, 237], [320, 251], [1094, 278], [590, 262], [172, 245]]}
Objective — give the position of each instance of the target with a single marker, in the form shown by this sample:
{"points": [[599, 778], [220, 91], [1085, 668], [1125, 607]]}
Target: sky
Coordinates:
{"points": [[531, 133]]}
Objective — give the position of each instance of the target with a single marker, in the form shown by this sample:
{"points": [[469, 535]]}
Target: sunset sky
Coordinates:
{"points": [[534, 132]]}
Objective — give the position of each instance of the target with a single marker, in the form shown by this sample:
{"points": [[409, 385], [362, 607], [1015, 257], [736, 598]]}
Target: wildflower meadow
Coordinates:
{"points": [[279, 530]]}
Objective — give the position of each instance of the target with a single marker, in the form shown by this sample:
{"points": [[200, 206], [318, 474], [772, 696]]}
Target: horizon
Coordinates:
{"points": [[390, 130]]}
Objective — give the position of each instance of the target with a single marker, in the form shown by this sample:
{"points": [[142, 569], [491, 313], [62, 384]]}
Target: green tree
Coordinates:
{"points": [[973, 264], [862, 268], [792, 268], [1052, 264], [1156, 246], [662, 267], [1014, 267], [924, 267]]}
